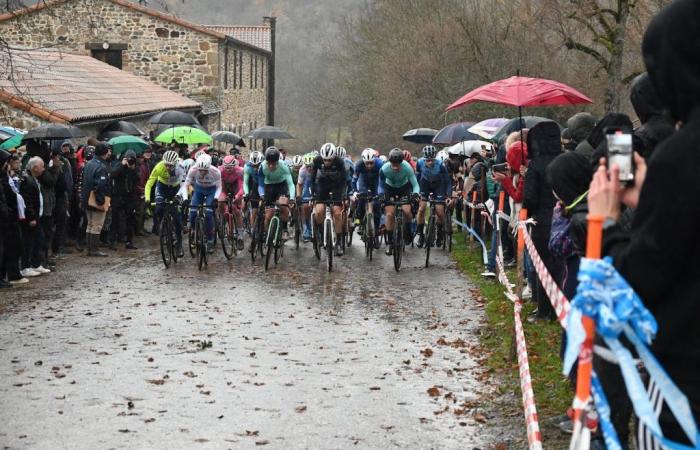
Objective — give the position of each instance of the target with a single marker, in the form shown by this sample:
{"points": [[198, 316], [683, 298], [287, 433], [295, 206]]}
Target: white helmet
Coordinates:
{"points": [[256, 158], [383, 158], [367, 155], [328, 151], [297, 161], [203, 162], [187, 164], [442, 155], [341, 152], [170, 158]]}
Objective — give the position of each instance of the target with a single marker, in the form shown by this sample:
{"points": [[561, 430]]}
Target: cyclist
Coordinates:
{"points": [[349, 166], [304, 193], [206, 182], [232, 184], [167, 178], [329, 177], [295, 164], [275, 186], [250, 184], [433, 178], [397, 179], [364, 179]]}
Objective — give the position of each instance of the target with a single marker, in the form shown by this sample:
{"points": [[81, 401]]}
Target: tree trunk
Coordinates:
{"points": [[614, 88]]}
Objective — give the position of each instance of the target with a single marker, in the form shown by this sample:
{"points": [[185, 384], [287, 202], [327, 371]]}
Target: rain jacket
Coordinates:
{"points": [[95, 178], [660, 257], [656, 125]]}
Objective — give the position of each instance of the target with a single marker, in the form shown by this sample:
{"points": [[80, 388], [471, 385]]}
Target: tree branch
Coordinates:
{"points": [[571, 45]]}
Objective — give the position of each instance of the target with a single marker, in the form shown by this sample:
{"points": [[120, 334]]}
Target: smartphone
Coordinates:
{"points": [[620, 153], [500, 168]]}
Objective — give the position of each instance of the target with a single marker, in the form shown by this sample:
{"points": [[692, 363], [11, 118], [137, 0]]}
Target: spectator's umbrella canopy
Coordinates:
{"points": [[54, 131], [173, 118], [184, 135], [228, 137], [488, 128], [468, 148], [420, 135], [516, 124], [124, 127], [107, 135], [523, 91], [455, 133], [121, 144], [268, 132], [13, 142]]}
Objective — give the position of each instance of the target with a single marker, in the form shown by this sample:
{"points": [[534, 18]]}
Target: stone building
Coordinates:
{"points": [[232, 79], [49, 86]]}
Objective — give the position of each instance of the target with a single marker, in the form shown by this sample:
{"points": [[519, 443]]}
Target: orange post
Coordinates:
{"points": [[501, 200]]}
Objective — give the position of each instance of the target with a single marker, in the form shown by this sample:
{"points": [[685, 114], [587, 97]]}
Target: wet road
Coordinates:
{"points": [[120, 353]]}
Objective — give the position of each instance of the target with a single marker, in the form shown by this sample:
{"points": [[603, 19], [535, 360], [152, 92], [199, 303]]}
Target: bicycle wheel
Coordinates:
{"points": [[315, 238], [226, 236], [165, 241], [349, 228], [429, 238], [398, 241], [192, 242], [328, 234], [297, 227], [279, 244], [270, 240], [253, 243], [201, 243], [447, 242]]}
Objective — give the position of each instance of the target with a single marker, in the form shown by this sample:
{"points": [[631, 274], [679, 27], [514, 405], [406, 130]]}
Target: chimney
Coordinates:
{"points": [[271, 22]]}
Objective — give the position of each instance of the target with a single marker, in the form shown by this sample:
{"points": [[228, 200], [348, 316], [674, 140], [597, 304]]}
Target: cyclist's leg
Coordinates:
{"points": [[161, 192], [238, 213], [196, 200], [209, 213]]}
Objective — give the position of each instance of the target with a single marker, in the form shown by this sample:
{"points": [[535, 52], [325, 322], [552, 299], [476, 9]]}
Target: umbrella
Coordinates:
{"points": [[420, 135], [107, 135], [173, 118], [488, 128], [227, 137], [14, 141], [268, 132], [124, 127], [54, 131], [467, 148], [517, 124], [121, 144], [455, 133], [161, 128], [184, 135]]}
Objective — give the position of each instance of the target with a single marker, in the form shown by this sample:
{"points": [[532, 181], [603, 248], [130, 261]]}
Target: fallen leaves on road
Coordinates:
{"points": [[300, 408], [434, 391], [427, 352]]}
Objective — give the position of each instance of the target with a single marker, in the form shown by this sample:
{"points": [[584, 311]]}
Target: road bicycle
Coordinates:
{"points": [[349, 213], [198, 236], [325, 239], [368, 234], [296, 223], [274, 241], [227, 229], [447, 242], [431, 227], [167, 233], [257, 239], [399, 244]]}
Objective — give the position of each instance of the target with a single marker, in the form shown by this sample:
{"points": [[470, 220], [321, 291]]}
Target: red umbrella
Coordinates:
{"points": [[523, 91]]}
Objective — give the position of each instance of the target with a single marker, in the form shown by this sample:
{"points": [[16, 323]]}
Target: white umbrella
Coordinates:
{"points": [[467, 148]]}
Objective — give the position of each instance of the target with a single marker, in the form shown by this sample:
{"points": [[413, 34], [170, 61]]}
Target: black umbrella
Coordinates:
{"points": [[268, 132], [420, 135], [107, 135], [54, 131], [455, 133], [173, 118], [228, 137], [124, 127], [516, 124]]}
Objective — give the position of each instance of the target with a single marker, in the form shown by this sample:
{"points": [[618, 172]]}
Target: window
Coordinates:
{"points": [[111, 57]]}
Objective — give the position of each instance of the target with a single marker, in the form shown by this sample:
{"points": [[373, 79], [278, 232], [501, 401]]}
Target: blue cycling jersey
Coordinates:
{"points": [[365, 179], [436, 176]]}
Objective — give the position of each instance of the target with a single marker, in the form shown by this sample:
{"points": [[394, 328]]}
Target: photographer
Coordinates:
{"points": [[125, 177]]}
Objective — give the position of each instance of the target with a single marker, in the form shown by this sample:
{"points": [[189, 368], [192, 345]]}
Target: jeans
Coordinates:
{"points": [[203, 196]]}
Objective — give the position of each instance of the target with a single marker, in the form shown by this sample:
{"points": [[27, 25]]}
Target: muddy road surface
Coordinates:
{"points": [[121, 353]]}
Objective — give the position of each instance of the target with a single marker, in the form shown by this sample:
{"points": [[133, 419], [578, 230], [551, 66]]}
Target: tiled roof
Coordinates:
{"points": [[209, 104], [63, 87], [258, 36]]}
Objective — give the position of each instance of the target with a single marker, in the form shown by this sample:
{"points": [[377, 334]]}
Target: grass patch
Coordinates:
{"points": [[552, 391]]}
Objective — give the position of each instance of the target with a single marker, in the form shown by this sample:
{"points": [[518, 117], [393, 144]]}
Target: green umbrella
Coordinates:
{"points": [[121, 144], [184, 135], [14, 141]]}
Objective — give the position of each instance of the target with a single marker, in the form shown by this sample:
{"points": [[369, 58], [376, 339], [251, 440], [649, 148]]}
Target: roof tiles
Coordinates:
{"points": [[257, 36]]}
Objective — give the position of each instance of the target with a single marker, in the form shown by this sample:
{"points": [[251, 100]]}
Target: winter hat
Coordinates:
{"points": [[101, 149]]}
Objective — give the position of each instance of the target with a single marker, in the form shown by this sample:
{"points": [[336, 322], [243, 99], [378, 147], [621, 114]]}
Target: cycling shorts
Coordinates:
{"points": [[338, 196], [273, 192], [434, 187], [404, 191]]}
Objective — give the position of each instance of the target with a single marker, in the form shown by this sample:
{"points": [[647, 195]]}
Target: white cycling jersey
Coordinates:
{"points": [[203, 180]]}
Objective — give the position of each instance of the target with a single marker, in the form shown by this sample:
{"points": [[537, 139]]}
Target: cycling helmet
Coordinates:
{"points": [[256, 157], [342, 153], [187, 165], [407, 156], [368, 155], [383, 158], [395, 156], [442, 155], [308, 159], [272, 154], [429, 152], [328, 151], [297, 161], [170, 158], [203, 162], [230, 161], [315, 153]]}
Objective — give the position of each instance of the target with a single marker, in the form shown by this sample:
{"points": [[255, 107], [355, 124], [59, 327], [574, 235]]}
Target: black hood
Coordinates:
{"points": [[544, 139], [597, 136], [644, 99], [671, 49], [580, 126], [570, 176]]}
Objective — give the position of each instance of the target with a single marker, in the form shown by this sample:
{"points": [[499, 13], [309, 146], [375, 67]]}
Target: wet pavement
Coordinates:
{"points": [[121, 353]]}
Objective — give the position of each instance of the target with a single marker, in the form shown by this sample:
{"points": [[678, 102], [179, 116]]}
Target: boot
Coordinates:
{"points": [[93, 249], [338, 245], [421, 235], [440, 235]]}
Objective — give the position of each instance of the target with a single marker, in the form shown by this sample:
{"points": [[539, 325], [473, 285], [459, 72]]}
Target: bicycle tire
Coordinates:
{"points": [[328, 234], [234, 236], [270, 241], [253, 244], [297, 227], [165, 246], [349, 230], [173, 238], [199, 241], [398, 240], [192, 242], [226, 236], [279, 245], [429, 238], [315, 239]]}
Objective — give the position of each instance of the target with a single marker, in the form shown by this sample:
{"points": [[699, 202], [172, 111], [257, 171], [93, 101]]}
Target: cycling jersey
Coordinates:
{"points": [[389, 178], [250, 180], [304, 180], [231, 182], [160, 174], [434, 179], [333, 178], [281, 174], [365, 179], [202, 180]]}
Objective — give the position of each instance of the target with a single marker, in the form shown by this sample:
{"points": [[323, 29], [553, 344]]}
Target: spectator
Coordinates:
{"points": [[63, 192], [124, 176], [656, 124], [48, 179], [95, 182], [144, 167], [580, 126], [12, 236], [32, 231]]}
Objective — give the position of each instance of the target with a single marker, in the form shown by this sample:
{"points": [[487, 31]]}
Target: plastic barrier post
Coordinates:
{"points": [[594, 246], [522, 217], [497, 226]]}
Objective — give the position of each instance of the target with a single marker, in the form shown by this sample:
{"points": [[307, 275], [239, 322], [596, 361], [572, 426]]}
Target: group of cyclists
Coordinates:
{"points": [[304, 188]]}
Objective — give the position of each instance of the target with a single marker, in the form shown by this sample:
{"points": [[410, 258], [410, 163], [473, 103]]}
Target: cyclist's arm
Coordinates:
{"points": [[261, 181], [185, 188], [241, 186], [246, 180], [446, 180], [290, 181], [219, 184], [152, 181], [413, 180], [381, 185], [355, 177]]}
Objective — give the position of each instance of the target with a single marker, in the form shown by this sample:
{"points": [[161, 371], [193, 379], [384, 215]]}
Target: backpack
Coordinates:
{"points": [[560, 244]]}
